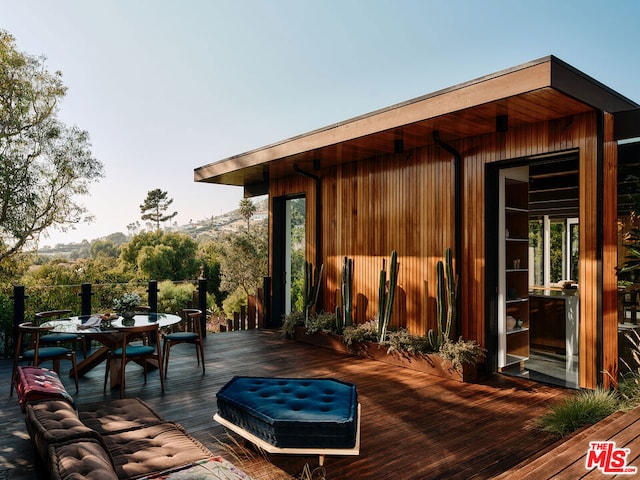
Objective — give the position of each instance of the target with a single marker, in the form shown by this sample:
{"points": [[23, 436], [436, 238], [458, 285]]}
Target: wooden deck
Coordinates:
{"points": [[567, 461], [414, 425]]}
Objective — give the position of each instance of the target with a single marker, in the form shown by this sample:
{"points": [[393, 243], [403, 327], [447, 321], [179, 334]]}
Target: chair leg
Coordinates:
{"points": [[200, 351], [162, 374], [13, 378], [106, 373], [166, 348], [122, 376], [75, 369]]}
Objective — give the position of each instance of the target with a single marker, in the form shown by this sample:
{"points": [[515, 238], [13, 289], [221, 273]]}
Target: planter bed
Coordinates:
{"points": [[432, 364]]}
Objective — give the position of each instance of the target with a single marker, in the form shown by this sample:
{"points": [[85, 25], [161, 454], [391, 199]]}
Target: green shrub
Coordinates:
{"points": [[586, 407], [462, 351], [629, 385], [402, 341], [234, 301], [322, 322], [174, 296], [362, 332], [292, 320]]}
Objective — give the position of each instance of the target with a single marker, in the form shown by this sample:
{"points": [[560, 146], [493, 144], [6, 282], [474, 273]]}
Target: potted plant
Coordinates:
{"points": [[125, 306]]}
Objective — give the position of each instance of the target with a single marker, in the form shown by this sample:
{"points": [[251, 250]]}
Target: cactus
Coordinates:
{"points": [[311, 288], [344, 315], [445, 302], [386, 295]]}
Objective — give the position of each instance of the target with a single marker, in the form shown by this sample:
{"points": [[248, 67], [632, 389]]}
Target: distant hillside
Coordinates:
{"points": [[210, 227]]}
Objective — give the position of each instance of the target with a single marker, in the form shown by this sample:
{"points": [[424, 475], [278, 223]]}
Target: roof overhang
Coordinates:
{"points": [[544, 89]]}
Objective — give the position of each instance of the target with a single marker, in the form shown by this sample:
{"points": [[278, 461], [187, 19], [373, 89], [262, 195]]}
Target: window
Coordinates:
{"points": [[554, 245]]}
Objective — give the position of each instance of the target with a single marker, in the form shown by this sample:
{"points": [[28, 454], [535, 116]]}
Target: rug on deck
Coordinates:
{"points": [[216, 468]]}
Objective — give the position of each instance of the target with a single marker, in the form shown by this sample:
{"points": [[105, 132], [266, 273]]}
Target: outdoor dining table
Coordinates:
{"points": [[108, 336]]}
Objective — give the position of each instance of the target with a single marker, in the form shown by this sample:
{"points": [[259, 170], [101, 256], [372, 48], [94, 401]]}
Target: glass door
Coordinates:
{"points": [[295, 254]]}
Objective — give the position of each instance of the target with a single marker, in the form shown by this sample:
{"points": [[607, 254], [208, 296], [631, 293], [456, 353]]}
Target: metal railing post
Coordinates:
{"points": [[85, 299], [85, 309], [202, 304], [266, 307], [18, 309], [153, 295]]}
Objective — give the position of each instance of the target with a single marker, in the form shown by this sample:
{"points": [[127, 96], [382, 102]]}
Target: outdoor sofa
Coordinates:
{"points": [[115, 439]]}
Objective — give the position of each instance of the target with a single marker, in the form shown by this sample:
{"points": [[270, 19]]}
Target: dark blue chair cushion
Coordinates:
{"points": [[58, 337], [45, 353], [182, 336], [134, 351], [292, 412]]}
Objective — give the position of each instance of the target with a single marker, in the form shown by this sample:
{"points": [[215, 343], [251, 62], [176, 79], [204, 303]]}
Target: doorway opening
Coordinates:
{"points": [[289, 254], [538, 261]]}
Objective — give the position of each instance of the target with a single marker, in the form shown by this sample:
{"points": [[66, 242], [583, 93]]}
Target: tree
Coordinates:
{"points": [[244, 261], [44, 164], [161, 256], [154, 207], [247, 210]]}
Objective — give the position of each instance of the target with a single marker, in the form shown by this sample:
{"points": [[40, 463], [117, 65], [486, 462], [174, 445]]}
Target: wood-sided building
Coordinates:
{"points": [[488, 168]]}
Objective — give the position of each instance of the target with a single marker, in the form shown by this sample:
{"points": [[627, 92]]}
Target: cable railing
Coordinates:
{"points": [[91, 298]]}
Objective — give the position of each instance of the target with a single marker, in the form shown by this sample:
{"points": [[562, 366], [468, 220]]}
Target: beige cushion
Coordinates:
{"points": [[54, 421], [153, 449], [118, 415], [78, 460]]}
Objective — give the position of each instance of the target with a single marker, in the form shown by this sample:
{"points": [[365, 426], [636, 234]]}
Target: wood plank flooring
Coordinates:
{"points": [[568, 460], [414, 425]]}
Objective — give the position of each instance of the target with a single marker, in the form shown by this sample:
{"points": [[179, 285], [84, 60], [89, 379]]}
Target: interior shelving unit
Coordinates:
{"points": [[513, 311]]}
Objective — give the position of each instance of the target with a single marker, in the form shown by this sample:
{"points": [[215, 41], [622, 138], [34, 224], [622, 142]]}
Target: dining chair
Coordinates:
{"points": [[58, 338], [29, 349], [142, 309], [187, 331], [136, 344]]}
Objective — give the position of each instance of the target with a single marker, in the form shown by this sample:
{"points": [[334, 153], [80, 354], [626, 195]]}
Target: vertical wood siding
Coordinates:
{"points": [[609, 255], [405, 202]]}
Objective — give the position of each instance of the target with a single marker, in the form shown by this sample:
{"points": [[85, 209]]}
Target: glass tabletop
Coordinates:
{"points": [[95, 324]]}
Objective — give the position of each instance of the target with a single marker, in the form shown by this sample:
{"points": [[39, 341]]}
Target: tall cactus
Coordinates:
{"points": [[445, 302], [311, 288], [344, 315], [386, 295]]}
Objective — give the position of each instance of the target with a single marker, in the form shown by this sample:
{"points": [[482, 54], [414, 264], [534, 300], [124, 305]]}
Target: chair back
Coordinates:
{"points": [[33, 331], [190, 320], [49, 314], [141, 332], [149, 334]]}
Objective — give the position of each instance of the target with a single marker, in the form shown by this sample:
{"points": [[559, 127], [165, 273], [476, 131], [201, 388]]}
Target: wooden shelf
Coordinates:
{"points": [[518, 330], [514, 251]]}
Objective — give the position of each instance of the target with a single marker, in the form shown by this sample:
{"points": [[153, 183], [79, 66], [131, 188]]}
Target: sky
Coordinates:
{"points": [[166, 86]]}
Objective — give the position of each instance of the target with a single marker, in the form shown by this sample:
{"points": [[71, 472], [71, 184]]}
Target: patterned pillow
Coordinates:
{"points": [[35, 383]]}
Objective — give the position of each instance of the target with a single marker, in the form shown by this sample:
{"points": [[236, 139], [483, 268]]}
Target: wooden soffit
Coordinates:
{"points": [[543, 89]]}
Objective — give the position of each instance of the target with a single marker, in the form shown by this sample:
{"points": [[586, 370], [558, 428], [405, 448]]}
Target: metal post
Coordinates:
{"points": [[18, 310], [266, 307], [85, 299], [153, 295], [202, 304], [85, 309]]}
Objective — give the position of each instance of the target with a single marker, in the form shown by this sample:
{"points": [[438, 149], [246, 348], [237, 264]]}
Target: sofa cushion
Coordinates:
{"points": [[35, 383], [80, 459], [154, 448], [115, 416], [54, 421]]}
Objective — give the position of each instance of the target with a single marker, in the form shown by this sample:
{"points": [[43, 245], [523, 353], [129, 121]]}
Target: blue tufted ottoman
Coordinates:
{"points": [[292, 415]]}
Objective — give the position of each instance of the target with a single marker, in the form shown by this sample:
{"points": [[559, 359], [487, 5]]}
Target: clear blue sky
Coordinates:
{"points": [[165, 86]]}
